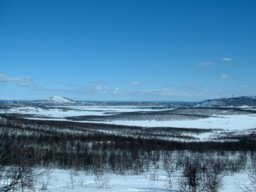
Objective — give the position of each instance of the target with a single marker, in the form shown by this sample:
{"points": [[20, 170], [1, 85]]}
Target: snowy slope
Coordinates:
{"points": [[233, 102], [54, 100], [209, 103], [58, 99]]}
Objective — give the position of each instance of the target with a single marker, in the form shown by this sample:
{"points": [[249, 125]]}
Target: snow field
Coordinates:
{"points": [[224, 122], [227, 122], [55, 113], [62, 112], [155, 180]]}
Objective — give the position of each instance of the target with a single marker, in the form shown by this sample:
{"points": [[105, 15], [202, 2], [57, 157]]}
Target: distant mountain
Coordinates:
{"points": [[243, 101], [55, 100]]}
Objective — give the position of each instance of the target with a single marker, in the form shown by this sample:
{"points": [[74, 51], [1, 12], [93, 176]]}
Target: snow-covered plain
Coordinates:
{"points": [[56, 112], [226, 122], [221, 123], [116, 108], [61, 112], [230, 122]]}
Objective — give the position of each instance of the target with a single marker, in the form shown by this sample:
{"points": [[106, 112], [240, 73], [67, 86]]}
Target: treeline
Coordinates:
{"points": [[165, 115]]}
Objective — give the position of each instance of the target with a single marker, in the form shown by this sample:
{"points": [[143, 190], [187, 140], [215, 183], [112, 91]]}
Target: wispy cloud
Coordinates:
{"points": [[134, 83], [2, 84], [56, 82], [213, 91], [21, 81], [224, 76], [100, 90], [204, 64], [244, 86], [163, 91], [246, 78], [168, 92], [97, 82], [190, 86], [226, 59], [71, 85], [170, 85]]}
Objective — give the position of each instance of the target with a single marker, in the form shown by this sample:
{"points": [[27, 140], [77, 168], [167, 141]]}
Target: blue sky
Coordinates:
{"points": [[137, 50]]}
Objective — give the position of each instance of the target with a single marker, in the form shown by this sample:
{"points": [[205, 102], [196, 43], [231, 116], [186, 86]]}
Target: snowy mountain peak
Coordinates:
{"points": [[58, 99], [54, 100]]}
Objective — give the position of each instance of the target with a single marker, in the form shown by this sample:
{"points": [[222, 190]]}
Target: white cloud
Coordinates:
{"points": [[134, 83], [226, 59], [204, 64], [2, 84], [246, 78], [224, 76], [190, 86], [21, 81], [244, 86], [97, 82]]}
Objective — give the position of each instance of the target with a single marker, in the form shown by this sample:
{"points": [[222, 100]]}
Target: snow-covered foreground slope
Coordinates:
{"points": [[60, 181]]}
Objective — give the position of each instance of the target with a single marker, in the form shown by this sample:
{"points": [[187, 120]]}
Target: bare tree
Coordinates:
{"points": [[212, 176], [21, 175], [201, 175], [252, 186], [192, 175], [16, 163], [72, 179], [169, 167], [153, 175], [101, 179]]}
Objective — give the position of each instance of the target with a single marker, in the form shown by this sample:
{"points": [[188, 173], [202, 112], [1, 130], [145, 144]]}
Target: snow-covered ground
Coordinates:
{"points": [[240, 123], [57, 112], [60, 181], [115, 108], [61, 112], [227, 122]]}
